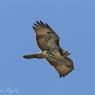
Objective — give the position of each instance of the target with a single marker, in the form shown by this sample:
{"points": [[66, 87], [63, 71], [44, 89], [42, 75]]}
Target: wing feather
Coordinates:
{"points": [[63, 65], [45, 36]]}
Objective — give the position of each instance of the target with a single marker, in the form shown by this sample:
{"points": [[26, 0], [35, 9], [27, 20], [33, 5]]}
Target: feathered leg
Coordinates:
{"points": [[39, 55]]}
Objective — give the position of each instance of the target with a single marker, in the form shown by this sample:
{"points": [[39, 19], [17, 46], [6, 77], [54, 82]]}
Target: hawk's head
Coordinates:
{"points": [[66, 53]]}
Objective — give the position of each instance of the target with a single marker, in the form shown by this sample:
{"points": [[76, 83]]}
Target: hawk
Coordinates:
{"points": [[48, 41]]}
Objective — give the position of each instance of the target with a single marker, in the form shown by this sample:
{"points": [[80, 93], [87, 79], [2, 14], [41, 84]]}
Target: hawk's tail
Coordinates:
{"points": [[40, 55]]}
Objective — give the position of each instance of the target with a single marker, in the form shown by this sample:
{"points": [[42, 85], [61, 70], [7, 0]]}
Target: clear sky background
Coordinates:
{"points": [[73, 21]]}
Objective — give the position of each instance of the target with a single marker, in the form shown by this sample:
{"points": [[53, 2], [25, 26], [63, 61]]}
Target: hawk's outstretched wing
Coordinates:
{"points": [[62, 64], [45, 36]]}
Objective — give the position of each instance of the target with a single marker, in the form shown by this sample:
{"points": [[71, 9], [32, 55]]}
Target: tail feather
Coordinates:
{"points": [[28, 56], [40, 55]]}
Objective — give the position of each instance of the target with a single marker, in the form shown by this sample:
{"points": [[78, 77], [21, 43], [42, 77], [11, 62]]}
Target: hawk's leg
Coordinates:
{"points": [[39, 55]]}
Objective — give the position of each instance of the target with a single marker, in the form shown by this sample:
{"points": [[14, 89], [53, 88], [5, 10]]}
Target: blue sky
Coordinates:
{"points": [[72, 20]]}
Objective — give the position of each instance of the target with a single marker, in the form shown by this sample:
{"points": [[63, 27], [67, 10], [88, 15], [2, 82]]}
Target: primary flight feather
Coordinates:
{"points": [[48, 42]]}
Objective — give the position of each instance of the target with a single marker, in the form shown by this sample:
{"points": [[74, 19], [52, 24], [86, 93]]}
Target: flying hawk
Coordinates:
{"points": [[48, 42]]}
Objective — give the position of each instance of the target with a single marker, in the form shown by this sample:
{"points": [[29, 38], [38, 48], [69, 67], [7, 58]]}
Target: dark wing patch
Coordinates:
{"points": [[45, 36]]}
